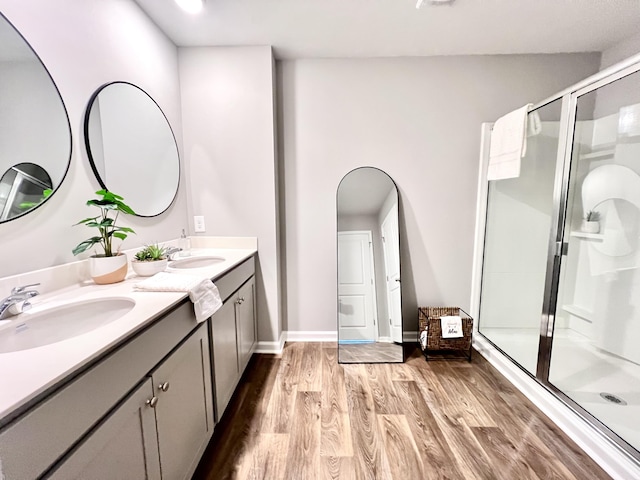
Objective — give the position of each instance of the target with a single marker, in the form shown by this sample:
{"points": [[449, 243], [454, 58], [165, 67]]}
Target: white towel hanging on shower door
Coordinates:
{"points": [[508, 144]]}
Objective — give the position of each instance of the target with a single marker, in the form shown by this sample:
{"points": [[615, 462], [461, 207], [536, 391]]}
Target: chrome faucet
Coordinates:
{"points": [[171, 252], [19, 298]]}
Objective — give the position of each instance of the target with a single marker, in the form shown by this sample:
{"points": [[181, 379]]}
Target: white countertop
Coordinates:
{"points": [[26, 374]]}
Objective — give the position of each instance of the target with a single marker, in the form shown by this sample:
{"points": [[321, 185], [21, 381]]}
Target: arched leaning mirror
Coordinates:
{"points": [[369, 289], [131, 147], [35, 135]]}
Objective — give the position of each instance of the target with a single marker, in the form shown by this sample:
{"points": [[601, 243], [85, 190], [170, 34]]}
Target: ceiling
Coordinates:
{"points": [[382, 28]]}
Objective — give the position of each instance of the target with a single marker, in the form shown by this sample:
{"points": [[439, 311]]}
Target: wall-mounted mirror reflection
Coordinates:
{"points": [[369, 289], [35, 136], [131, 147], [23, 187]]}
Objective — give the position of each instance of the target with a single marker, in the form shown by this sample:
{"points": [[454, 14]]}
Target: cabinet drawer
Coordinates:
{"points": [[33, 442], [230, 282]]}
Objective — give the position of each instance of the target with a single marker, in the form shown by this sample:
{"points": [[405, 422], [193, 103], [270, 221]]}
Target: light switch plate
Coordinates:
{"points": [[198, 224]]}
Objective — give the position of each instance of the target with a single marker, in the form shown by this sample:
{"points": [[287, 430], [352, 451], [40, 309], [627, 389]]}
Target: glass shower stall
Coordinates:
{"points": [[560, 278]]}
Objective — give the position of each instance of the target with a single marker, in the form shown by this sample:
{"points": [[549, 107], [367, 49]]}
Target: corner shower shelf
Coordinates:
{"points": [[578, 311], [607, 152], [588, 236]]}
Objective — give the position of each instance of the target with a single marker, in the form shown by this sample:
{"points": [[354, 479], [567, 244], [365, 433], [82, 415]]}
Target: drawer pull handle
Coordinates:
{"points": [[152, 402], [163, 387]]}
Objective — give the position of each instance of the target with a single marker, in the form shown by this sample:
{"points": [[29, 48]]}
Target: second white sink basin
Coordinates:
{"points": [[55, 324], [195, 262]]}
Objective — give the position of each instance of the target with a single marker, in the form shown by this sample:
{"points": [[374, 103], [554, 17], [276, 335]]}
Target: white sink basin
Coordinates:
{"points": [[195, 262], [61, 322]]}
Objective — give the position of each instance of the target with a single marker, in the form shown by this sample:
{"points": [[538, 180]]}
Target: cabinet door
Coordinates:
{"points": [[123, 447], [246, 323], [184, 413], [225, 354]]}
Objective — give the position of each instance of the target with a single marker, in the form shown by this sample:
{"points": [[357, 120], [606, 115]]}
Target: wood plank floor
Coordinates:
{"points": [[376, 352], [303, 416]]}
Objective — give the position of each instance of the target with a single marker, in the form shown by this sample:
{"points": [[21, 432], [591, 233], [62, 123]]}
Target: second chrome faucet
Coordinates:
{"points": [[18, 301]]}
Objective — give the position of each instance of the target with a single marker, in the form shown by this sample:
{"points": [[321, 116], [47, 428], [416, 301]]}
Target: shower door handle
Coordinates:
{"points": [[562, 248]]}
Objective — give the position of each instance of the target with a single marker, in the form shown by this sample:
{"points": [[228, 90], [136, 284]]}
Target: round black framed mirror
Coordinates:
{"points": [[35, 133], [131, 147]]}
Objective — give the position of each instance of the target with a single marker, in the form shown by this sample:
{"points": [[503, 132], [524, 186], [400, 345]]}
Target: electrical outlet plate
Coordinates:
{"points": [[198, 224]]}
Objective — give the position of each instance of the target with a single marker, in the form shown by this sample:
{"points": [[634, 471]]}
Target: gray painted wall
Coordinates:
{"points": [[228, 117], [620, 51], [419, 120], [84, 45]]}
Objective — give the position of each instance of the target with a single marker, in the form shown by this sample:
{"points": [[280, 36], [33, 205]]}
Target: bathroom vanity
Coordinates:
{"points": [[145, 405]]}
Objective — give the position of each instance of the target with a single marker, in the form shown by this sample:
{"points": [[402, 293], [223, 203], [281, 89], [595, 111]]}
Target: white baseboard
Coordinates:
{"points": [[384, 339], [271, 347], [610, 457], [311, 336], [332, 336], [295, 336], [315, 336], [408, 337]]}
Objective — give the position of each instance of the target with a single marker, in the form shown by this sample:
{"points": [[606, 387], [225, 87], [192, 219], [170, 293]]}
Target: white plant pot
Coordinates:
{"points": [[106, 270], [146, 269], [590, 227]]}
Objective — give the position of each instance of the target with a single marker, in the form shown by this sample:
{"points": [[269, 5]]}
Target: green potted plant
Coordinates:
{"points": [[591, 222], [150, 260], [110, 266], [46, 193]]}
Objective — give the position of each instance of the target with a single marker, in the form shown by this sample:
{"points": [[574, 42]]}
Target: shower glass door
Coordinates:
{"points": [[518, 222], [595, 355]]}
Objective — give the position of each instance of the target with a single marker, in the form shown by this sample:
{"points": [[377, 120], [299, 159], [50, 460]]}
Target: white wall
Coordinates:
{"points": [[419, 120], [84, 45], [228, 118]]}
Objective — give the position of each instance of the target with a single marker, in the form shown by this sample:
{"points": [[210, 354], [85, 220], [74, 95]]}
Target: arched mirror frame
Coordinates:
{"points": [[92, 162], [55, 186], [400, 354]]}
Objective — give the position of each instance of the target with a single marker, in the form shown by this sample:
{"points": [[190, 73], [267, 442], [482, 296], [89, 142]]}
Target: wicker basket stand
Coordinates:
{"points": [[429, 320]]}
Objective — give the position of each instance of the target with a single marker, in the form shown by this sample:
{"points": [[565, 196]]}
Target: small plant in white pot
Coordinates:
{"points": [[591, 222], [110, 266], [150, 260]]}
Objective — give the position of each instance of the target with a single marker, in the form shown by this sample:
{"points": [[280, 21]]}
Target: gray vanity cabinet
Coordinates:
{"points": [[171, 413], [124, 446], [184, 410], [246, 323], [233, 338], [146, 409], [225, 354]]}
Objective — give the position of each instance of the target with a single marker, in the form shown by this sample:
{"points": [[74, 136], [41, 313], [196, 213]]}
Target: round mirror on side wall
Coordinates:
{"points": [[35, 134], [369, 288], [131, 147]]}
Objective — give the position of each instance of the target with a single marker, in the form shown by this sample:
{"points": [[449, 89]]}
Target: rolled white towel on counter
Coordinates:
{"points": [[202, 291]]}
